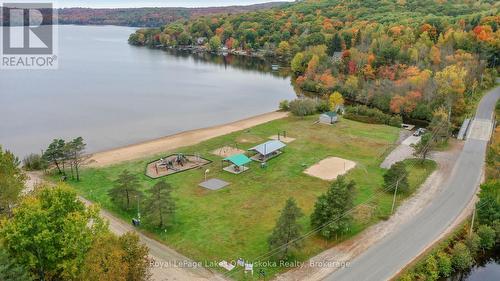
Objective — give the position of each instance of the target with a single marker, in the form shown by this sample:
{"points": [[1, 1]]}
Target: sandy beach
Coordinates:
{"points": [[150, 148]]}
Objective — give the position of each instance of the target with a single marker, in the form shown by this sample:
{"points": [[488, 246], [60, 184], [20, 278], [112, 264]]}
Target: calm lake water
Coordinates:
{"points": [[113, 94], [487, 269]]}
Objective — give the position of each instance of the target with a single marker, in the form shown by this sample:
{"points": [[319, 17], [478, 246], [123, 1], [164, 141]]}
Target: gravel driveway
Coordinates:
{"points": [[401, 152]]}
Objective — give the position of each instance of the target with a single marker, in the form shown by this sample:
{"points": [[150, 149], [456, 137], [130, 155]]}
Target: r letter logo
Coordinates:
{"points": [[28, 36]]}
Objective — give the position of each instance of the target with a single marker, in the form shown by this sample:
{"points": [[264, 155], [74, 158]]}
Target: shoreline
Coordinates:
{"points": [[186, 138]]}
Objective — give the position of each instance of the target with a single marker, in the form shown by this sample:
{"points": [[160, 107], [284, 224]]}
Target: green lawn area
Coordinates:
{"points": [[235, 222]]}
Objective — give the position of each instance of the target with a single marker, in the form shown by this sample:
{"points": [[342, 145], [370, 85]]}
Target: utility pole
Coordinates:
{"points": [[472, 222], [394, 198]]}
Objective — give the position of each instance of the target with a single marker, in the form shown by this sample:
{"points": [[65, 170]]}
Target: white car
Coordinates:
{"points": [[419, 132]]}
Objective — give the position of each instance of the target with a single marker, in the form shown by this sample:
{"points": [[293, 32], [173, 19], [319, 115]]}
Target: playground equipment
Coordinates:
{"points": [[174, 163]]}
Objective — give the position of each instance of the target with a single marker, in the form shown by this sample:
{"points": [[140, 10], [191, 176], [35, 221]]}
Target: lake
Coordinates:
{"points": [[113, 94]]}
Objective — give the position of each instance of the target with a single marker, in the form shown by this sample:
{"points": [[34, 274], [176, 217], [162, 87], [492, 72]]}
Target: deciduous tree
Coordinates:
{"points": [[423, 147], [451, 86], [11, 181], [214, 43], [396, 175], [50, 233], [335, 100], [136, 257], [105, 260], [489, 200], [283, 49]]}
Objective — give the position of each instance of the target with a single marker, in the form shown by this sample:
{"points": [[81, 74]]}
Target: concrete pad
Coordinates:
{"points": [[214, 184], [411, 140], [232, 169], [330, 168]]}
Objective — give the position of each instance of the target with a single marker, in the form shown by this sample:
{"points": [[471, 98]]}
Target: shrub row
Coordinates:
{"points": [[366, 114], [304, 106], [34, 162]]}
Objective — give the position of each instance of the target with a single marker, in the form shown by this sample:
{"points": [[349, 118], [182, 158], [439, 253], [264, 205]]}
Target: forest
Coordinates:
{"points": [[148, 17], [406, 57]]}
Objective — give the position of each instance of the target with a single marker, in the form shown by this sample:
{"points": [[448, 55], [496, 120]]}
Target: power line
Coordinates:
{"points": [[376, 195]]}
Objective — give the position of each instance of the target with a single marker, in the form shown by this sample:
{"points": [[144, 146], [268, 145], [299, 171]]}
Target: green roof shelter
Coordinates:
{"points": [[238, 162]]}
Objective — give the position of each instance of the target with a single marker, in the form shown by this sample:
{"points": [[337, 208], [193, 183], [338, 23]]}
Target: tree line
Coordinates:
{"points": [[66, 157]]}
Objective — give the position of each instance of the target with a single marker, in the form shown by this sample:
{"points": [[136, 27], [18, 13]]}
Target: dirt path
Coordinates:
{"points": [[149, 148], [166, 264], [315, 268]]}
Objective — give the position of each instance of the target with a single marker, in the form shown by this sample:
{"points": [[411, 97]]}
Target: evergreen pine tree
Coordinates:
{"points": [[126, 188], [160, 206], [330, 209], [287, 229], [334, 45]]}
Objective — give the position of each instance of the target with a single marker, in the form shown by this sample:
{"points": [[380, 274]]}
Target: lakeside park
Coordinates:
{"points": [[234, 222]]}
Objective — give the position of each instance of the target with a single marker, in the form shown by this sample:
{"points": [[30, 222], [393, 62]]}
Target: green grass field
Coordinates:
{"points": [[235, 222]]}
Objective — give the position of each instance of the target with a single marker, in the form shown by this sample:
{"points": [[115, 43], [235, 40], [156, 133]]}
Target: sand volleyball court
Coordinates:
{"points": [[330, 168]]}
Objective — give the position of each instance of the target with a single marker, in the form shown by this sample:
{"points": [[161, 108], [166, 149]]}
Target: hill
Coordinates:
{"points": [[416, 58], [148, 17]]}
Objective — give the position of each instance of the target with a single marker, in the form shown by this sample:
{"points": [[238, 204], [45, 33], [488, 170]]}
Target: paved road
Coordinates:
{"points": [[384, 260]]}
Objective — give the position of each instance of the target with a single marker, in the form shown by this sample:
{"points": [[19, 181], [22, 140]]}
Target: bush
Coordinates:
{"points": [[461, 257], [366, 114], [395, 121], [432, 269], [473, 242], [487, 237], [284, 105], [322, 106], [34, 162], [303, 107], [444, 264], [396, 175]]}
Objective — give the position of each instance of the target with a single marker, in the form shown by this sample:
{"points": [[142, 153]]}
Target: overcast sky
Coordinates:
{"points": [[146, 3]]}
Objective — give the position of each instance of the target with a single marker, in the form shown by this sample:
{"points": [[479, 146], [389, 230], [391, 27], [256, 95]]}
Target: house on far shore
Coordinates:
{"points": [[329, 117], [201, 40], [337, 56]]}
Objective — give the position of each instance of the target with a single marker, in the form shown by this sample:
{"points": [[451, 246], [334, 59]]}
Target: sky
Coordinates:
{"points": [[146, 3]]}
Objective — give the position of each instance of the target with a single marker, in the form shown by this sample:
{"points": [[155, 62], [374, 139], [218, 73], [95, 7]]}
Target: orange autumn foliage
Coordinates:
{"points": [[219, 31], [327, 80], [406, 103], [483, 32]]}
